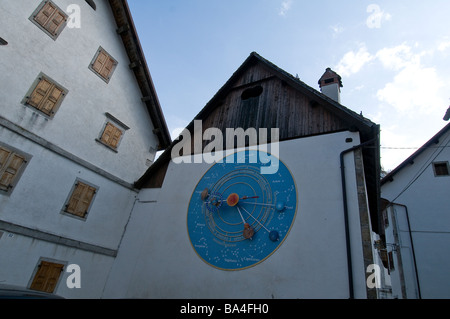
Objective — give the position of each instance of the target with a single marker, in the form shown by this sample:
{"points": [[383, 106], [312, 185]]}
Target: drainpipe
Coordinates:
{"points": [[347, 227], [412, 244]]}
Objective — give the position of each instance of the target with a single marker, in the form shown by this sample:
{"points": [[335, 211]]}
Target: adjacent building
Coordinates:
{"points": [[416, 197], [79, 123], [184, 241]]}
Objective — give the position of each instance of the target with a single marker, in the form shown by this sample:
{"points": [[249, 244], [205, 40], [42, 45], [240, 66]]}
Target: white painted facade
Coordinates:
{"points": [[81, 117], [156, 259], [63, 149], [418, 230]]}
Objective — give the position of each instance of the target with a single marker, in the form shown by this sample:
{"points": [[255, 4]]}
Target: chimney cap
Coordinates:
{"points": [[330, 77]]}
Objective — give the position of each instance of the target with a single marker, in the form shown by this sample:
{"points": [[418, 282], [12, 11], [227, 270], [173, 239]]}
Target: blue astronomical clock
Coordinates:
{"points": [[238, 217]]}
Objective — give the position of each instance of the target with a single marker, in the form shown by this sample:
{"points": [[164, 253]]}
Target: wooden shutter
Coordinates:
{"points": [[46, 96], [47, 277], [50, 18], [81, 199], [10, 164], [104, 64], [111, 135]]}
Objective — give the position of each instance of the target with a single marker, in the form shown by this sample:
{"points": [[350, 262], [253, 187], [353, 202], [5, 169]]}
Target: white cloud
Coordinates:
{"points": [[397, 57], [443, 46], [352, 62], [337, 29], [415, 88], [285, 7]]}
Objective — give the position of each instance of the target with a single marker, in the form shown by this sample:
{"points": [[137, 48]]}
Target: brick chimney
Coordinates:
{"points": [[330, 84]]}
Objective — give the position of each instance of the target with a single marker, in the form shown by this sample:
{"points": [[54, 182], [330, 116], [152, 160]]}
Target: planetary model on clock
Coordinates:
{"points": [[238, 217]]}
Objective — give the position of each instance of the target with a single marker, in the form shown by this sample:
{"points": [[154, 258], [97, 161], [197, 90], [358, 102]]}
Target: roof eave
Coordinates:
{"points": [[127, 31]]}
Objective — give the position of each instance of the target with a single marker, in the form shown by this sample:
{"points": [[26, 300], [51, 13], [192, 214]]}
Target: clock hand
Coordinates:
{"points": [[248, 230], [255, 219], [280, 206], [273, 234], [242, 217]]}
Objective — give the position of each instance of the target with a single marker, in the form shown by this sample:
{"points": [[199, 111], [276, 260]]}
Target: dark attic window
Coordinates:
{"points": [[441, 169], [3, 41], [92, 4], [252, 92], [329, 80]]}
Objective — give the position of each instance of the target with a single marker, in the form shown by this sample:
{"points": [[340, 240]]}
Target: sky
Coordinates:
{"points": [[393, 56]]}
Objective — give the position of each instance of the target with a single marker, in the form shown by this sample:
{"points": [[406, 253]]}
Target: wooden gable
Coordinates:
{"points": [[261, 98], [261, 95]]}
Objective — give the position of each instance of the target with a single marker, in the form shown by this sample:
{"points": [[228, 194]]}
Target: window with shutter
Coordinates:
{"points": [[103, 64], [80, 199], [11, 166], [112, 132], [111, 135], [47, 276], [46, 95], [49, 18]]}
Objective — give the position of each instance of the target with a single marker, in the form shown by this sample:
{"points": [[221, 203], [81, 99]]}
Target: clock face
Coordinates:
{"points": [[238, 217]]}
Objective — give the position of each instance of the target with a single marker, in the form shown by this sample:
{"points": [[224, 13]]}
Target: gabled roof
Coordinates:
{"points": [[127, 31], [410, 160], [368, 130], [361, 123]]}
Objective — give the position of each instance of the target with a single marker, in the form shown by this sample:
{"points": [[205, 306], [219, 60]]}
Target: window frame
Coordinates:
{"points": [[75, 185], [37, 270], [42, 77], [19, 172], [111, 120], [60, 28], [436, 173], [94, 60]]}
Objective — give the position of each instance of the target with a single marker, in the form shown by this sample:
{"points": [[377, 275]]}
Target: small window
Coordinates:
{"points": [[80, 200], [3, 41], [112, 132], [441, 169], [49, 18], [47, 276], [92, 4], [45, 95], [103, 65], [111, 135], [12, 164], [251, 93]]}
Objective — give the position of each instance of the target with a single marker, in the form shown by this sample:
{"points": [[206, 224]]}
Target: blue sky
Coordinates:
{"points": [[392, 56]]}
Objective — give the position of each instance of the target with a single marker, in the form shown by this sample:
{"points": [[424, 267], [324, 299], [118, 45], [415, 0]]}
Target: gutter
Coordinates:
{"points": [[347, 227], [391, 204]]}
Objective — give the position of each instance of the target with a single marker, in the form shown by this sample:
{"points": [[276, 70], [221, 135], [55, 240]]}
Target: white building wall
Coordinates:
{"points": [[39, 197], [80, 118], [156, 259], [27, 253], [64, 149], [427, 200]]}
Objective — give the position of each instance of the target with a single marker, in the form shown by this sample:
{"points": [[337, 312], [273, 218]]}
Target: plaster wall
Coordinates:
{"points": [[427, 200], [81, 116], [156, 259]]}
